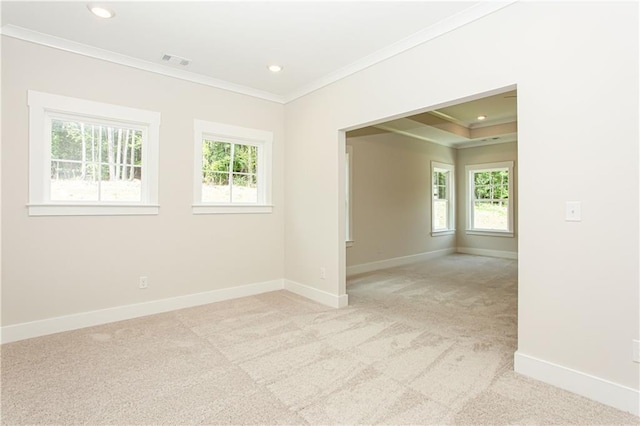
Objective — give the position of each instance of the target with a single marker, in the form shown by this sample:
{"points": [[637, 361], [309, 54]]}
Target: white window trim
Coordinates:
{"points": [[349, 195], [470, 198], [451, 198], [234, 134], [44, 106]]}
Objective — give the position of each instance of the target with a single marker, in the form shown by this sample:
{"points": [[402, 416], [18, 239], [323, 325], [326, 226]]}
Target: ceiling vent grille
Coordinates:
{"points": [[176, 60]]}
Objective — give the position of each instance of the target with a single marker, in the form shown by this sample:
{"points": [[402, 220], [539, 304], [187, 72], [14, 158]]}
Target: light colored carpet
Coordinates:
{"points": [[430, 343]]}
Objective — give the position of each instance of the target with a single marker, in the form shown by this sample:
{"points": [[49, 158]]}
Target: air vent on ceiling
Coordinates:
{"points": [[176, 60]]}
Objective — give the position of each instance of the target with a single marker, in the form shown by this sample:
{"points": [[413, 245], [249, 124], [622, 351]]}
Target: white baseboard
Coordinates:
{"points": [[397, 261], [490, 253], [27, 330], [317, 295], [12, 333], [609, 393]]}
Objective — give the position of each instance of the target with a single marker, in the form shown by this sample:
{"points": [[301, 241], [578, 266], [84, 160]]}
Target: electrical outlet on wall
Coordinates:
{"points": [[143, 282], [323, 273]]}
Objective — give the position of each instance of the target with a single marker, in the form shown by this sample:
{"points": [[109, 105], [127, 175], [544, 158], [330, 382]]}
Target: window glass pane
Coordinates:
{"points": [[482, 178], [120, 190], [95, 162], [245, 158], [482, 192], [215, 187], [67, 183], [490, 215], [440, 208], [245, 189], [216, 156], [442, 192]]}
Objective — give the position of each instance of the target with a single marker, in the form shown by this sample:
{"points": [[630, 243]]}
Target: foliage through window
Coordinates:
{"points": [[442, 208], [490, 197], [232, 169], [91, 158], [95, 162], [229, 172]]}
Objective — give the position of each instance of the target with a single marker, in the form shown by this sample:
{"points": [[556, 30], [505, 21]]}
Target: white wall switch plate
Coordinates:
{"points": [[574, 211]]}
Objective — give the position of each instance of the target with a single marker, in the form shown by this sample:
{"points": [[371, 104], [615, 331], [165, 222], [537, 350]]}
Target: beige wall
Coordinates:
{"points": [[480, 155], [54, 266], [391, 179], [578, 281]]}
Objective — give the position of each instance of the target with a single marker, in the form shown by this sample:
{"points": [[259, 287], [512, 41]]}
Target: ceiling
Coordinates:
{"points": [[231, 44], [458, 125]]}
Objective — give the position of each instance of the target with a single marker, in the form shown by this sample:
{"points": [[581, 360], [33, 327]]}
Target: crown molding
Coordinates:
{"points": [[449, 24], [117, 58]]}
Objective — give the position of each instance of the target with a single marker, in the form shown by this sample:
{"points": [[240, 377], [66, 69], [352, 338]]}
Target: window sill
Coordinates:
{"points": [[508, 234], [92, 209], [441, 233], [231, 209]]}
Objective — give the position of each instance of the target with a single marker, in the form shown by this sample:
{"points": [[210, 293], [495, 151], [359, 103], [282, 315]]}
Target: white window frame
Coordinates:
{"points": [[470, 170], [43, 107], [261, 139], [348, 161], [451, 215]]}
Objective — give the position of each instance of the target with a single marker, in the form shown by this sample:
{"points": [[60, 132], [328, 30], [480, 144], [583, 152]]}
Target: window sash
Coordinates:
{"points": [[99, 162], [43, 108], [234, 135], [489, 193]]}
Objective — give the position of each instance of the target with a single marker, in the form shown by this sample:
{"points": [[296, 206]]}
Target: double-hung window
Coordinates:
{"points": [[232, 172], [91, 158], [490, 195], [442, 204]]}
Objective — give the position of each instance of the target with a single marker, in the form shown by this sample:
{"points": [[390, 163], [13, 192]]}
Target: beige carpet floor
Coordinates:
{"points": [[430, 343]]}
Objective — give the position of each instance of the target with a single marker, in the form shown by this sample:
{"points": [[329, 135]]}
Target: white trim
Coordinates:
{"points": [[470, 169], [316, 295], [117, 58], [262, 139], [601, 390], [489, 253], [12, 333], [27, 330], [230, 209], [43, 107], [397, 261], [492, 233], [443, 233], [449, 24], [349, 194], [91, 210], [450, 199]]}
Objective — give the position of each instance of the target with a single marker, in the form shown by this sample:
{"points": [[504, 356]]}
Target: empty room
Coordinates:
{"points": [[266, 213]]}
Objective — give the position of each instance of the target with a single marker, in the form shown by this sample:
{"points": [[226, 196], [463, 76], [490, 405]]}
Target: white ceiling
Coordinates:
{"points": [[230, 44]]}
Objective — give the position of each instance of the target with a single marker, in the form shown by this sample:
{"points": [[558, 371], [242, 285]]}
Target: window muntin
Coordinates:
{"points": [[91, 158], [229, 172], [95, 161], [442, 205], [490, 198], [232, 169]]}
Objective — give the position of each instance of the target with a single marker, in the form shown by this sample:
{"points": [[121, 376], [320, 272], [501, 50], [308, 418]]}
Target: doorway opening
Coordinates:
{"points": [[431, 211]]}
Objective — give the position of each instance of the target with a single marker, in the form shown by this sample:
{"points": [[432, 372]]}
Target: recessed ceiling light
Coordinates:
{"points": [[275, 68], [482, 117], [101, 11]]}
